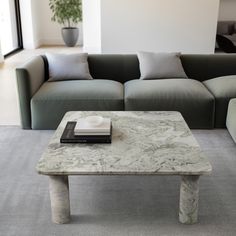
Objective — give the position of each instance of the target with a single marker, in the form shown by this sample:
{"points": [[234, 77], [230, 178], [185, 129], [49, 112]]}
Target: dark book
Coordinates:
{"points": [[68, 136]]}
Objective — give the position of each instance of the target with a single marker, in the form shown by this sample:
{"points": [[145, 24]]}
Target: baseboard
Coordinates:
{"points": [[92, 49], [57, 41]]}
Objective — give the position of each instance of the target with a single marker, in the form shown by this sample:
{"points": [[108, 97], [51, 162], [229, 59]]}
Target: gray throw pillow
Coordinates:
{"points": [[68, 66], [160, 65]]}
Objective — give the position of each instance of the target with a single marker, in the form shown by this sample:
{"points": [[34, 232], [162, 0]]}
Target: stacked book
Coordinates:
{"points": [[88, 130]]}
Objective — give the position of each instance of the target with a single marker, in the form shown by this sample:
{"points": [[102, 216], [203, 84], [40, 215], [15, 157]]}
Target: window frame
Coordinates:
{"points": [[18, 29]]}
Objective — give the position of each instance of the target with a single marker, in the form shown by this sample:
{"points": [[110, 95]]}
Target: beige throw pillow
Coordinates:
{"points": [[160, 65], [68, 66]]}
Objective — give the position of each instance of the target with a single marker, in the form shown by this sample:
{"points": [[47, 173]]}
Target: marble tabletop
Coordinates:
{"points": [[143, 143]]}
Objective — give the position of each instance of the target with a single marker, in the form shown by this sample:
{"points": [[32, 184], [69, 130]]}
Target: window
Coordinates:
{"points": [[10, 27]]}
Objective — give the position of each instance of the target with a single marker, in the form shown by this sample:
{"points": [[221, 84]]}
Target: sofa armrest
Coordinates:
{"points": [[29, 77]]}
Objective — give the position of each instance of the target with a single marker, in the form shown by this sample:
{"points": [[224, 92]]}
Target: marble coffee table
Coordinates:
{"points": [[143, 143]]}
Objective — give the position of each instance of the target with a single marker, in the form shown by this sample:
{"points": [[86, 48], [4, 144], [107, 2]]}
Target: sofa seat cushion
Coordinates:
{"points": [[190, 97], [223, 88], [54, 99]]}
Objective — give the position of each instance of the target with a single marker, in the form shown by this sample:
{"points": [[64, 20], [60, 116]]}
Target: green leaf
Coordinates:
{"points": [[66, 11]]}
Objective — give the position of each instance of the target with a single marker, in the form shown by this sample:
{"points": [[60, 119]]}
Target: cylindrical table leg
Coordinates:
{"points": [[60, 201], [189, 194]]}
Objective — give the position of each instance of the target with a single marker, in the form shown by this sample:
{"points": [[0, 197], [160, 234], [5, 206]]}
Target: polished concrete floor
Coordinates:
{"points": [[9, 107]]}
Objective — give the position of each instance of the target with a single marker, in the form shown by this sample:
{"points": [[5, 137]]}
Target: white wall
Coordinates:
{"points": [[37, 27], [188, 26], [92, 25], [27, 24], [227, 10], [36, 21]]}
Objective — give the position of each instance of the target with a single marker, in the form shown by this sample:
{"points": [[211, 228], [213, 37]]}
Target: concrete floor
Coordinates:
{"points": [[9, 107]]}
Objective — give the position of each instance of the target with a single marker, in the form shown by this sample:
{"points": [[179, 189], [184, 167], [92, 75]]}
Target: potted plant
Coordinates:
{"points": [[68, 13]]}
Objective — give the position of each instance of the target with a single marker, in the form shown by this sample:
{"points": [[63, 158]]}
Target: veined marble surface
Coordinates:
{"points": [[145, 143]]}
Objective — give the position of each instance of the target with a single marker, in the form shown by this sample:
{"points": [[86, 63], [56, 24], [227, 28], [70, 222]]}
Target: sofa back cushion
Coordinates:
{"points": [[116, 67], [123, 68], [204, 67]]}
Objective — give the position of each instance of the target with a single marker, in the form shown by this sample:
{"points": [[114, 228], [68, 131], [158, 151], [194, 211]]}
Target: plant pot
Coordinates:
{"points": [[70, 36]]}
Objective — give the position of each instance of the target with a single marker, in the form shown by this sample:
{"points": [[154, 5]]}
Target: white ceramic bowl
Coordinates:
{"points": [[94, 120]]}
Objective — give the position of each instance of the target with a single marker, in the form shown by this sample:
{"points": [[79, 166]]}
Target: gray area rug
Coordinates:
{"points": [[113, 205]]}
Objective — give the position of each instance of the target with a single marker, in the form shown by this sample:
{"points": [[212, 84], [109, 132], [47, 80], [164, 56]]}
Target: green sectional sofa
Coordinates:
{"points": [[202, 99]]}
